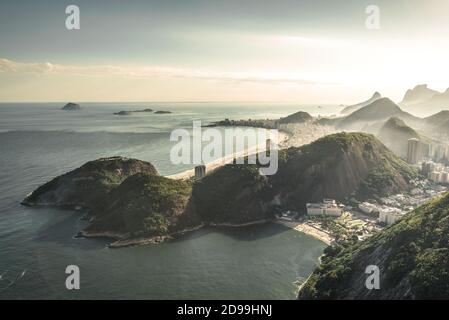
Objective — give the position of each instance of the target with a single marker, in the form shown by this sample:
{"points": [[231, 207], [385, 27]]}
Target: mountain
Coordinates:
{"points": [[298, 117], [412, 255], [441, 96], [424, 101], [418, 94], [395, 135], [380, 110], [87, 185], [339, 166], [71, 107], [437, 119], [233, 194], [351, 109], [437, 123]]}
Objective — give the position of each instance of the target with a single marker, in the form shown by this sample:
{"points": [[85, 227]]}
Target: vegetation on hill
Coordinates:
{"points": [[232, 194], [88, 184], [412, 255], [339, 166], [145, 205], [298, 117], [128, 199]]}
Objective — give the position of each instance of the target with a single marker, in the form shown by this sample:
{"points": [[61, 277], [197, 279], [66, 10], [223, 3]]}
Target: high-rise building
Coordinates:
{"points": [[200, 171], [413, 151], [427, 167]]}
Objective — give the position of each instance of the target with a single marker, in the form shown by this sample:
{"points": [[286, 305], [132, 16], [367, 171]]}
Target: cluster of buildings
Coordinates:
{"points": [[418, 150], [392, 208], [387, 210], [436, 172]]}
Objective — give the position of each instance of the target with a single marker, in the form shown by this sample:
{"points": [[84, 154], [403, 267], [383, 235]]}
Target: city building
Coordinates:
{"points": [[413, 151], [326, 208], [200, 171], [368, 208], [268, 145], [390, 215]]}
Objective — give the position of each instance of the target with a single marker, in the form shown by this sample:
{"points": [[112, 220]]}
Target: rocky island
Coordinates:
{"points": [[71, 107], [162, 112], [127, 113], [128, 201]]}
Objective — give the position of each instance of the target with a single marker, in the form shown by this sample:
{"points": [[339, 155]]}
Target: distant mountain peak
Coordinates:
{"points": [[380, 110], [355, 107], [419, 93]]}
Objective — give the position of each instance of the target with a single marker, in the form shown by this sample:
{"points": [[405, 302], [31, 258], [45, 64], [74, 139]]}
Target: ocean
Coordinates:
{"points": [[38, 142]]}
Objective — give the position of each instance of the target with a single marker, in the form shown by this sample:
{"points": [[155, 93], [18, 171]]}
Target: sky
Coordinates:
{"points": [[316, 51]]}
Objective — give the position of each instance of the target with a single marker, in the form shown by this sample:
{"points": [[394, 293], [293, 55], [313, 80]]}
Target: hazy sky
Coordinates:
{"points": [[312, 51]]}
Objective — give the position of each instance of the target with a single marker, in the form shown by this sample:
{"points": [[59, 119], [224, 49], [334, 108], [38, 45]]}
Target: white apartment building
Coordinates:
{"points": [[326, 208], [390, 215], [367, 207]]}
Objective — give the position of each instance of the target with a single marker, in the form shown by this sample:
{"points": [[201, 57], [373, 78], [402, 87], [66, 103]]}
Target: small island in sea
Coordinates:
{"points": [[127, 113], [71, 107], [162, 112]]}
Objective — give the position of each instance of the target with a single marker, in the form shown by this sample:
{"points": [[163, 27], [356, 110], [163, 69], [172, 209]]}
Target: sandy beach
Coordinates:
{"points": [[306, 228], [293, 135], [282, 139]]}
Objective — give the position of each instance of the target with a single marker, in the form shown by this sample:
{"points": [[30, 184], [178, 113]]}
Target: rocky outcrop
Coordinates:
{"points": [[71, 107], [128, 113], [162, 112], [87, 185]]}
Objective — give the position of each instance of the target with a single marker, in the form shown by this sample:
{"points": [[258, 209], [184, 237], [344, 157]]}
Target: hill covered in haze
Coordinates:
{"points": [[380, 110], [395, 135], [424, 101], [350, 109]]}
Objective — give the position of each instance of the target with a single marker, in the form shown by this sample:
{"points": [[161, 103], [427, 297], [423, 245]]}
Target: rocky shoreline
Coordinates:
{"points": [[123, 240]]}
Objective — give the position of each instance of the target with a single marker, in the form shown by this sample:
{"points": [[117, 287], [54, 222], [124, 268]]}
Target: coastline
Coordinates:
{"points": [[211, 166], [123, 240], [305, 228]]}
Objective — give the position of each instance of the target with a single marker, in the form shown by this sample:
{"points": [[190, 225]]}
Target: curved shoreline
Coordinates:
{"points": [[122, 240], [303, 227], [261, 147]]}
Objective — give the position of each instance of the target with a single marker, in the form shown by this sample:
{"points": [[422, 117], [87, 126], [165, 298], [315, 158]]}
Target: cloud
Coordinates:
{"points": [[149, 72], [12, 66]]}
